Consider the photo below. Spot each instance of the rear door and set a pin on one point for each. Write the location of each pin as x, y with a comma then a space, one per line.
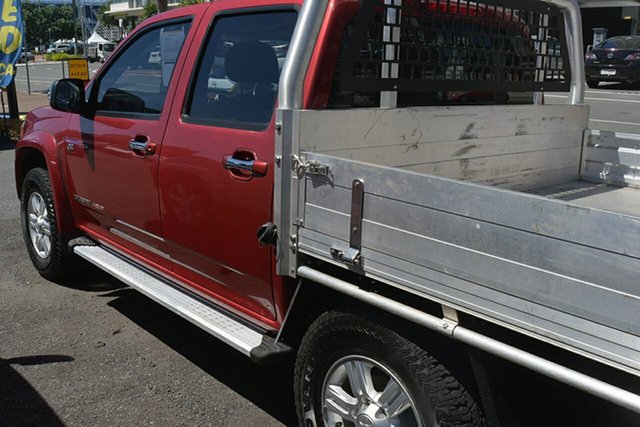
216, 176
112, 156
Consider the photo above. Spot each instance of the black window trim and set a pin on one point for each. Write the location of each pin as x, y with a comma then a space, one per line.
95, 84
227, 124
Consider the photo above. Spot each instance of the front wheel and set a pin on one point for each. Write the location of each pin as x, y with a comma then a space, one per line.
39, 228
593, 83
353, 372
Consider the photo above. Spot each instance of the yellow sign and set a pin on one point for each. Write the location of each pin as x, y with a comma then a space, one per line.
78, 69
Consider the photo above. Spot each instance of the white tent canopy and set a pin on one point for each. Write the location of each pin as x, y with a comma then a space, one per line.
96, 38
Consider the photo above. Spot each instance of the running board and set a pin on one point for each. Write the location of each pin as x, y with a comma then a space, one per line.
213, 320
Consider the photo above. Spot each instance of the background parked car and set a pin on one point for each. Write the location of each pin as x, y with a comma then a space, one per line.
615, 60
26, 56
62, 48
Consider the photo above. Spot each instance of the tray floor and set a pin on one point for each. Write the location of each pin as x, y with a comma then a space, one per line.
622, 200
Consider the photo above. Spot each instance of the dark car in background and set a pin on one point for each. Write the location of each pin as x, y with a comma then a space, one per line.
26, 56
617, 59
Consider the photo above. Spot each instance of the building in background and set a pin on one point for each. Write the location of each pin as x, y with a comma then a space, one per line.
133, 8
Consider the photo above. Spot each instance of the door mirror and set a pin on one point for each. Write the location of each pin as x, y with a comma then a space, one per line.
68, 95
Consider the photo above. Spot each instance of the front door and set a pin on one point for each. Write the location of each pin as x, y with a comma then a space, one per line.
112, 156
216, 173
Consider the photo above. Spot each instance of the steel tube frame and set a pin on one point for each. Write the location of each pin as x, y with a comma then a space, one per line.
303, 41
515, 355
573, 30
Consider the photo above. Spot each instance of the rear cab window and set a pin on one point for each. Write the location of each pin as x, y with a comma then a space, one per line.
236, 79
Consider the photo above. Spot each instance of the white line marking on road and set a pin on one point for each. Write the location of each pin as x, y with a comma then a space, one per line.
631, 101
34, 81
615, 122
613, 92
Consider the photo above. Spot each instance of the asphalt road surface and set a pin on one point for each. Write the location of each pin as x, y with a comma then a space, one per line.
614, 107
90, 351
41, 75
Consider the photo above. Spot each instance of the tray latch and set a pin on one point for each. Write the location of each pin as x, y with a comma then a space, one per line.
352, 255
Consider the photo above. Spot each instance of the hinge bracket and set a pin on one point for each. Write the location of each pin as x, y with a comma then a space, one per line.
352, 255
301, 166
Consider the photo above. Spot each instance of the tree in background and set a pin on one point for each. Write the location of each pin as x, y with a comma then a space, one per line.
42, 22
150, 9
158, 6
163, 5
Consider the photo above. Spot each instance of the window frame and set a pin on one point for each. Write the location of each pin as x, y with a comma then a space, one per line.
193, 78
95, 84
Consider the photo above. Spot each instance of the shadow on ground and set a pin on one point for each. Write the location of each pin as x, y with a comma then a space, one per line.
617, 86
269, 388
86, 277
20, 403
5, 144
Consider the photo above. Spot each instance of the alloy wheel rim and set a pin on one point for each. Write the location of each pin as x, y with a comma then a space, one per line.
360, 392
39, 225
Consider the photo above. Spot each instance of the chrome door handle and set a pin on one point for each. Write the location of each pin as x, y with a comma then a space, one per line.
137, 145
141, 146
232, 163
244, 168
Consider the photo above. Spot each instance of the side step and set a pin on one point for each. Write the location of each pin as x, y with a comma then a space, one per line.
213, 320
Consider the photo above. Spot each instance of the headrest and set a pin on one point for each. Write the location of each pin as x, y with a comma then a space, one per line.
251, 61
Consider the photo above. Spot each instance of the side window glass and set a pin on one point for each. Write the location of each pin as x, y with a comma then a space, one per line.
236, 81
138, 79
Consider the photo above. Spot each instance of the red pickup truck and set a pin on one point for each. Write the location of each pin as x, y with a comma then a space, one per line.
298, 180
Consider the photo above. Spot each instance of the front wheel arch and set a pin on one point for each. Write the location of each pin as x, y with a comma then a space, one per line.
39, 151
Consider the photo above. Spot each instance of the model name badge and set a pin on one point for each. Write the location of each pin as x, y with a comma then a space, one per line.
88, 203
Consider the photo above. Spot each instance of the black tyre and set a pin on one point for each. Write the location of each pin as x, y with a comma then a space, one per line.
353, 372
593, 83
39, 227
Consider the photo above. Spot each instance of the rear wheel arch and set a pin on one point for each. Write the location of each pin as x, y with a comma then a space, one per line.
314, 301
335, 337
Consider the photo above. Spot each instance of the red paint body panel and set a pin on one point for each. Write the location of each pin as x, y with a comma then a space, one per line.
319, 79
122, 187
163, 271
210, 215
114, 191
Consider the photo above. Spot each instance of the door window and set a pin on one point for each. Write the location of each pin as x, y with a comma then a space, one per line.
138, 79
236, 81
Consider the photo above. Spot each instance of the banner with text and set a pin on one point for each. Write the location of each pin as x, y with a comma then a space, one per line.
11, 31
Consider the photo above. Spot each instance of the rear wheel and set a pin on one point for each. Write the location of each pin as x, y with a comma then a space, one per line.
39, 228
593, 83
352, 372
